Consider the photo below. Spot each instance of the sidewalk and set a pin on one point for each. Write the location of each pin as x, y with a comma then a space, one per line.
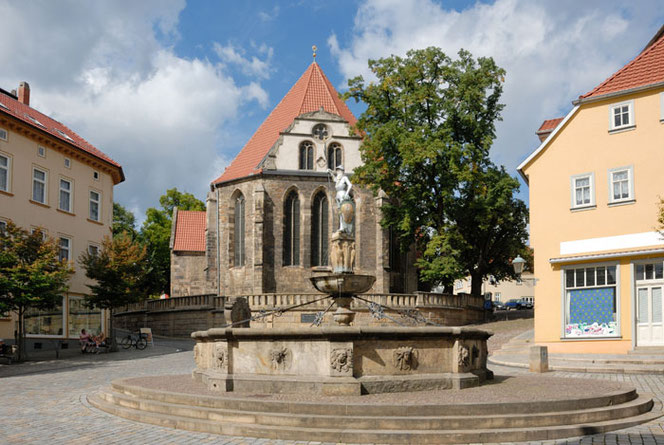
515, 353
46, 361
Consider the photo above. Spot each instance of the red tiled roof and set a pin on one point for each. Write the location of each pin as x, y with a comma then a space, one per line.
34, 118
646, 69
189, 231
549, 125
311, 92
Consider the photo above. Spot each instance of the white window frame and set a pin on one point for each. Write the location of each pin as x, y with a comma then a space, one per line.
67, 163
630, 116
69, 248
8, 187
41, 151
591, 204
71, 194
563, 299
45, 183
4, 134
630, 178
98, 202
93, 246
95, 175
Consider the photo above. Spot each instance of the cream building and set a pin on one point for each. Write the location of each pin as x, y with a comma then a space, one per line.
522, 289
595, 183
52, 178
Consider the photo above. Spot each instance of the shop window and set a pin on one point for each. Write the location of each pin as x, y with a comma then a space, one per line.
591, 302
45, 321
82, 317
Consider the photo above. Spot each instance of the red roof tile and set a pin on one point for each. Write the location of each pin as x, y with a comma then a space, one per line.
42, 122
311, 92
189, 231
646, 69
549, 125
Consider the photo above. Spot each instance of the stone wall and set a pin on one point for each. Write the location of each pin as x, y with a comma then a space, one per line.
264, 270
188, 274
179, 317
173, 317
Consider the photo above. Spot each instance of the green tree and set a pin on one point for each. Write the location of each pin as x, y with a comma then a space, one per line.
119, 271
428, 129
156, 234
123, 221
31, 274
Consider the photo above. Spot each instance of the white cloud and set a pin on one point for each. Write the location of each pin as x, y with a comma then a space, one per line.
107, 70
552, 51
250, 66
268, 16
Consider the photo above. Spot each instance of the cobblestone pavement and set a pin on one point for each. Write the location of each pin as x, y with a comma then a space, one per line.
45, 403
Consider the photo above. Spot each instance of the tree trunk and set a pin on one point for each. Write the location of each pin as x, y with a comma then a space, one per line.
21, 334
111, 333
476, 283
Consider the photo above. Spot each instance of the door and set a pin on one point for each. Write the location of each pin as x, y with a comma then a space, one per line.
649, 328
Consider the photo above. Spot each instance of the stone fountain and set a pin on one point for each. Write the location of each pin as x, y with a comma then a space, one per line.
343, 359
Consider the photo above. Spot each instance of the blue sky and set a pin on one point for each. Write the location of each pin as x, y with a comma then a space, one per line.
172, 89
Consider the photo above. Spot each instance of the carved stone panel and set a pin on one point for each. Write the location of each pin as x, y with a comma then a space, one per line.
280, 359
221, 356
463, 358
405, 358
341, 360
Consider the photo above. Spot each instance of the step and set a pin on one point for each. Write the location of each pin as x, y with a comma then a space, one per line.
485, 420
578, 366
356, 409
346, 435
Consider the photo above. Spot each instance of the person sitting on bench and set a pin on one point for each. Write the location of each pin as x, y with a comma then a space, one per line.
86, 341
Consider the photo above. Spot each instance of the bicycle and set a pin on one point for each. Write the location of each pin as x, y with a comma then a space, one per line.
130, 340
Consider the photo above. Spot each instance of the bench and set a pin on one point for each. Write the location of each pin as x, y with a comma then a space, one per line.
9, 352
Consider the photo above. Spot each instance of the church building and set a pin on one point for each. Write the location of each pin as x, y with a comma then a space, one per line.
271, 213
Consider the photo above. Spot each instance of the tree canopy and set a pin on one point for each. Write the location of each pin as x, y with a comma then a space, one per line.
31, 274
119, 270
429, 126
156, 234
124, 221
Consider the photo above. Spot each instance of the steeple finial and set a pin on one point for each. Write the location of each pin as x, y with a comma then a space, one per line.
314, 49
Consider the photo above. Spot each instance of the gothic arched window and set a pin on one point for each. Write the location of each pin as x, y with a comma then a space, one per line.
334, 156
292, 230
306, 156
319, 230
238, 232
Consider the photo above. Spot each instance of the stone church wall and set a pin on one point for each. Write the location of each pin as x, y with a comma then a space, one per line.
264, 271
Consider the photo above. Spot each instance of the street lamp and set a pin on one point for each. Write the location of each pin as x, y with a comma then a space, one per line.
517, 264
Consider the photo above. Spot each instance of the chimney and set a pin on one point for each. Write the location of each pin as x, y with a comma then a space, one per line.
24, 93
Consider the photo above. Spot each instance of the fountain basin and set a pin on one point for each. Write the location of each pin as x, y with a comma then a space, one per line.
340, 360
343, 285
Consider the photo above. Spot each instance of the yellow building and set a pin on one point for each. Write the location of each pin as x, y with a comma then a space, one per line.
595, 183
52, 178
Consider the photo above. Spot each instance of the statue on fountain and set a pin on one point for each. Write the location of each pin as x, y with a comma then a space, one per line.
342, 246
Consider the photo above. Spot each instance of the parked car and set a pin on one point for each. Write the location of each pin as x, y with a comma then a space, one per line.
513, 304
525, 304
498, 306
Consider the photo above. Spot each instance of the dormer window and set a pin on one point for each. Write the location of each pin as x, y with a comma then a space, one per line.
320, 132
306, 155
621, 116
